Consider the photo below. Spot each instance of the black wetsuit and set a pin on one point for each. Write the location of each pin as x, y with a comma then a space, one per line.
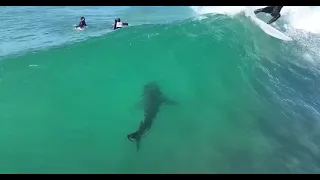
273, 10
82, 24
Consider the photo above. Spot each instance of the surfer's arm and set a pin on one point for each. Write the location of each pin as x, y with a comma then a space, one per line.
125, 24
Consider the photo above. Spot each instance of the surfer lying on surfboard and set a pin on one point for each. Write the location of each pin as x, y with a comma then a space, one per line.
273, 10
82, 23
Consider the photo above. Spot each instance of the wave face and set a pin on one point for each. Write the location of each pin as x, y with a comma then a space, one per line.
248, 103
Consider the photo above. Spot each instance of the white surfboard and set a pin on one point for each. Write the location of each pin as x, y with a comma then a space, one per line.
270, 30
78, 28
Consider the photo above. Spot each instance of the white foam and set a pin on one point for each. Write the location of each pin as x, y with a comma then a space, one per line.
230, 10
299, 17
33, 65
304, 18
298, 22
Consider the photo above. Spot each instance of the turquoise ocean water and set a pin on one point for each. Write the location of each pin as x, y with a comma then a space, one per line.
247, 102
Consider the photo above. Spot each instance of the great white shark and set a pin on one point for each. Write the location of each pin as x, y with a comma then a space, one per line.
153, 99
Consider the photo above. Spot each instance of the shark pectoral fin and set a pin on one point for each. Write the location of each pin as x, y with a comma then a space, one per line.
168, 101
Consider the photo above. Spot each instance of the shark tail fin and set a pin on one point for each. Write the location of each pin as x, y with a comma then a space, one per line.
135, 137
138, 144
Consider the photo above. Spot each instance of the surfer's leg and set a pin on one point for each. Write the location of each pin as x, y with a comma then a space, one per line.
267, 9
275, 17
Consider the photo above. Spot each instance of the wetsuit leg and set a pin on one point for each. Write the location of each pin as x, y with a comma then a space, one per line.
275, 17
268, 9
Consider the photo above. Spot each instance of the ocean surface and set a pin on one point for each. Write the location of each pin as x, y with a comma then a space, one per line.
247, 102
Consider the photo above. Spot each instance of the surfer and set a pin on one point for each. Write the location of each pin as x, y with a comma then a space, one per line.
82, 23
273, 10
118, 24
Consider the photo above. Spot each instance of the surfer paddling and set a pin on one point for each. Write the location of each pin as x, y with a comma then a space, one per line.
273, 10
82, 23
119, 24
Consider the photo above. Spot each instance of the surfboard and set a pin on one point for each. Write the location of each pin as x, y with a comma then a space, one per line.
78, 28
270, 30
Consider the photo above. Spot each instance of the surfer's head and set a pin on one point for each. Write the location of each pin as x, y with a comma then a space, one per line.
118, 20
83, 19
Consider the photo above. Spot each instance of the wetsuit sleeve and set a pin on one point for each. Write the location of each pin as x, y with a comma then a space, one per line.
124, 23
85, 24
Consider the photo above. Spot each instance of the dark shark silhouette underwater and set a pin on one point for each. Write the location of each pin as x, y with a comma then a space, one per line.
153, 99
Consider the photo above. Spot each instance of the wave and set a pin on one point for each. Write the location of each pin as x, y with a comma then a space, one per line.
244, 99
299, 17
